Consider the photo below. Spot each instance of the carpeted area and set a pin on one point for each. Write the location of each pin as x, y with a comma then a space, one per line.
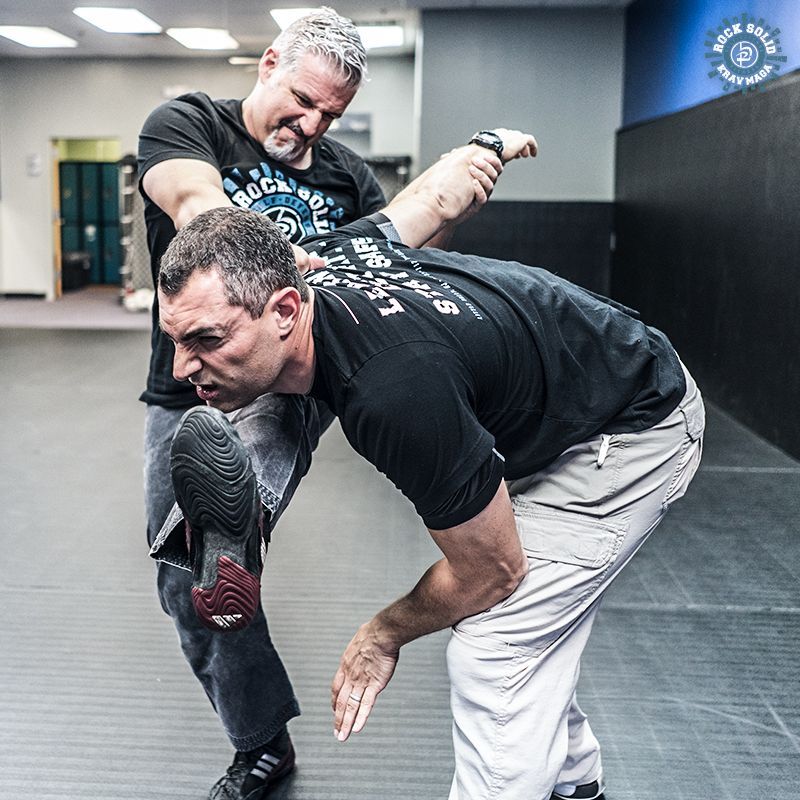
88, 308
690, 677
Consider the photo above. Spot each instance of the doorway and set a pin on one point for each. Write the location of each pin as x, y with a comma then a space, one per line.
86, 229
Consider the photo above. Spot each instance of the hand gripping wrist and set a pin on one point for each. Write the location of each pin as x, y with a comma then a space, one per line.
489, 140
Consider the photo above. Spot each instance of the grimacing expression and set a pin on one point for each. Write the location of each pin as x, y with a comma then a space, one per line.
220, 349
292, 108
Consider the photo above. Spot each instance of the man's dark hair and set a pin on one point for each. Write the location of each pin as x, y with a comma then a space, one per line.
251, 253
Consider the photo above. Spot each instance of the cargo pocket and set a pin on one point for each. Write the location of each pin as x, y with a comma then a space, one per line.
569, 556
566, 536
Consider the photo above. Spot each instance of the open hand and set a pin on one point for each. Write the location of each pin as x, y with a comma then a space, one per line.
364, 671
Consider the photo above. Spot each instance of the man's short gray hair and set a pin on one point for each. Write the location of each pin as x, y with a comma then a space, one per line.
325, 33
250, 252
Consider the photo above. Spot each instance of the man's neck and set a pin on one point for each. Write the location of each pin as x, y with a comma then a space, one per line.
297, 376
304, 162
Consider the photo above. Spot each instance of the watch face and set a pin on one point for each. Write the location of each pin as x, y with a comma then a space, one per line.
490, 140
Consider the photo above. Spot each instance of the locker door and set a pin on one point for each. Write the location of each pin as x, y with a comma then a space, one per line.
70, 238
109, 182
92, 235
70, 192
112, 254
90, 193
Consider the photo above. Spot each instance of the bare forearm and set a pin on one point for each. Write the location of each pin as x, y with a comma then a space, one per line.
453, 189
483, 563
204, 198
416, 216
443, 194
438, 601
184, 188
443, 238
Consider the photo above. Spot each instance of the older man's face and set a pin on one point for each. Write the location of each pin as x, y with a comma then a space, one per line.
292, 109
220, 349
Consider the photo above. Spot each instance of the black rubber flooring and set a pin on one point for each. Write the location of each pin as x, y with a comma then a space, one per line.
691, 677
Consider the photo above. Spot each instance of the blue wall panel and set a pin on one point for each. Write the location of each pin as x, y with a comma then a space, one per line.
666, 68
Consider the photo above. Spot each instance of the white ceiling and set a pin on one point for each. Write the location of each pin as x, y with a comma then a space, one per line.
248, 21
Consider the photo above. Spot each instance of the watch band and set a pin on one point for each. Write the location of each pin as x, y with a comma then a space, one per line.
489, 140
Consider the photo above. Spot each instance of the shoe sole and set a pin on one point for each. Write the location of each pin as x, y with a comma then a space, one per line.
577, 796
216, 489
555, 796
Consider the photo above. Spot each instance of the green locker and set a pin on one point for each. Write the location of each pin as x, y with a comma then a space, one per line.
112, 254
89, 193
70, 190
71, 238
109, 193
94, 247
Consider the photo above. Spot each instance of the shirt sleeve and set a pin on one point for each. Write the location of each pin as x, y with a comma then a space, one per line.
177, 129
370, 194
372, 197
408, 411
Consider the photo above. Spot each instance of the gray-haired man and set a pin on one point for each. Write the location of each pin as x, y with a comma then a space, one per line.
268, 153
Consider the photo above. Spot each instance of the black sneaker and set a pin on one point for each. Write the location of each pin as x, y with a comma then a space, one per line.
216, 489
253, 774
588, 791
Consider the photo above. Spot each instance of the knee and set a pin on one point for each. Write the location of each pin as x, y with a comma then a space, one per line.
175, 591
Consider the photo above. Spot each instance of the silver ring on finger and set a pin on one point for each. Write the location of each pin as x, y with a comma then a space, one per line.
355, 698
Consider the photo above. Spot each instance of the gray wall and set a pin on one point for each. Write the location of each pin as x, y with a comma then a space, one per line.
46, 99
555, 73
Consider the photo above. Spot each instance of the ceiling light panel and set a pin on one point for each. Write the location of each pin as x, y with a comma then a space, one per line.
118, 20
374, 36
203, 38
36, 37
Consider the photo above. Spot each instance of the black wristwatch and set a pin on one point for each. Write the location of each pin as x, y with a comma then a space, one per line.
490, 140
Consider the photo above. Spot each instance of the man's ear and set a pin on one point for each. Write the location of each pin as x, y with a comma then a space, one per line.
284, 305
268, 64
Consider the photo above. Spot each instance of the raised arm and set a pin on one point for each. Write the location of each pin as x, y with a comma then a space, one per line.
483, 563
184, 188
453, 189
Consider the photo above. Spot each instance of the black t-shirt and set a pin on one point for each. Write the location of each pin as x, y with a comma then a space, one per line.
451, 372
336, 189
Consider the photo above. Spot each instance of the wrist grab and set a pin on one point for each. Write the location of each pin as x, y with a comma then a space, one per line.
489, 140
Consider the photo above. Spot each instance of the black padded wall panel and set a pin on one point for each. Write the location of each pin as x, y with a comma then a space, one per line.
708, 247
568, 238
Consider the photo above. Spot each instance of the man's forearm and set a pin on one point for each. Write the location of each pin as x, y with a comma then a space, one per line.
184, 188
452, 189
483, 563
438, 601
442, 194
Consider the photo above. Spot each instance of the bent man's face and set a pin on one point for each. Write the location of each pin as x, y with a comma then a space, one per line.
229, 357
